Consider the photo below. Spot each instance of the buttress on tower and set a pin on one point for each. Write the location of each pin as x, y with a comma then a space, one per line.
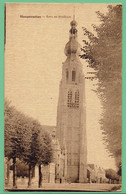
71, 111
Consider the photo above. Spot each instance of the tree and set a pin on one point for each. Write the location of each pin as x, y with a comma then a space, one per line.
119, 172
31, 146
38, 149
104, 54
45, 151
111, 175
19, 141
13, 135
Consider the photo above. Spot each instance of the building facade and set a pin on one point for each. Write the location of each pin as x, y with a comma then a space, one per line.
71, 111
59, 159
95, 174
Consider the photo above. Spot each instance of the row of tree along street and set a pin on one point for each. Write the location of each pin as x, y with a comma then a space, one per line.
25, 140
28, 145
103, 51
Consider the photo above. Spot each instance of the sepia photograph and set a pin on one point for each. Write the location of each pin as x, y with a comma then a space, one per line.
63, 97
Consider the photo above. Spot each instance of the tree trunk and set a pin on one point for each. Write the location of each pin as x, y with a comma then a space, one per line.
40, 177
8, 171
29, 176
14, 173
33, 171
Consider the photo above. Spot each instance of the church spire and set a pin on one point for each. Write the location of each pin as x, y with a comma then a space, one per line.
72, 47
74, 13
73, 23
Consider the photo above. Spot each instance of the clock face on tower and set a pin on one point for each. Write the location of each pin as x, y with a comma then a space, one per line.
73, 99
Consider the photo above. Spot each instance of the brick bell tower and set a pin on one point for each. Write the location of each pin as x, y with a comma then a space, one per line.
71, 111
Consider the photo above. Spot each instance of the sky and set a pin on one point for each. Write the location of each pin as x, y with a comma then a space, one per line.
34, 53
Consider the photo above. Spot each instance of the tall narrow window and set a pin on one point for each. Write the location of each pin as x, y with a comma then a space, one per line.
69, 99
67, 74
77, 99
73, 75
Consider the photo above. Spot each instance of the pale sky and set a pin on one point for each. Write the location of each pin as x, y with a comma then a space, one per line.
33, 64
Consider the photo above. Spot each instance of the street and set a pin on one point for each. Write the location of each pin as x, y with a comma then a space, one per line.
69, 187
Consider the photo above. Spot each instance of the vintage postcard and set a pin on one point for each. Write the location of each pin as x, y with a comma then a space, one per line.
63, 97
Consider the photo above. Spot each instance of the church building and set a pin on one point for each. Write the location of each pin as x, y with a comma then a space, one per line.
69, 163
71, 111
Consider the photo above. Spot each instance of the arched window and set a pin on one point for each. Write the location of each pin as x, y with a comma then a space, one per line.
77, 99
73, 75
69, 99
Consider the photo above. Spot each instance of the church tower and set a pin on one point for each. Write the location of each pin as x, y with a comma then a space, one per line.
71, 113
